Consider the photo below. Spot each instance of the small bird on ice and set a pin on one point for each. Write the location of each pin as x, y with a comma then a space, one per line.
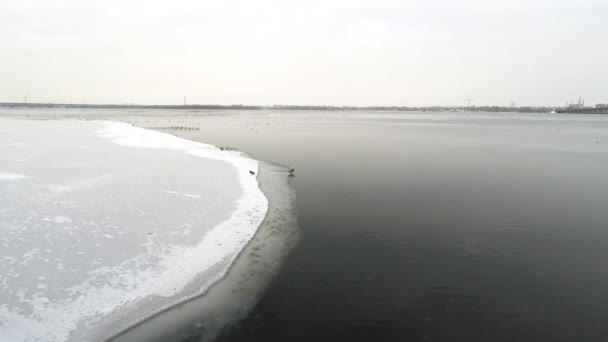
251, 173
291, 172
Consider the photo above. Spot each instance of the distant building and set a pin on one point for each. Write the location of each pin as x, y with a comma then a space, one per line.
601, 106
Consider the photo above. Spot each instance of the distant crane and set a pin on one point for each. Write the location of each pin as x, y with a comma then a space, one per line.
185, 103
469, 102
576, 105
25, 97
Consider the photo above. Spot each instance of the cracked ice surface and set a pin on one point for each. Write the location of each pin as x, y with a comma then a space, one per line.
103, 224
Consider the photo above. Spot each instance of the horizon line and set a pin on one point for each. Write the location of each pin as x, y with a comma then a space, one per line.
250, 106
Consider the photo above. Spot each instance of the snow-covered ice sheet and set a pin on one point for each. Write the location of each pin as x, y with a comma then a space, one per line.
106, 224
11, 176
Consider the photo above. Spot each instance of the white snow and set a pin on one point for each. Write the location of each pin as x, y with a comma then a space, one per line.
90, 255
192, 196
58, 219
11, 176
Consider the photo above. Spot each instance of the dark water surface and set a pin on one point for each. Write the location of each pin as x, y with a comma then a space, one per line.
430, 227
435, 228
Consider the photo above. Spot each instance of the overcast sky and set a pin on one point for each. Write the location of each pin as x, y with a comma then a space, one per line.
322, 52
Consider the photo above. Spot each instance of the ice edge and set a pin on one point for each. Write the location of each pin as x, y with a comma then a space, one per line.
253, 201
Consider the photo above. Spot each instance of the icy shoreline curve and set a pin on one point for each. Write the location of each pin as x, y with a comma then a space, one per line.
169, 265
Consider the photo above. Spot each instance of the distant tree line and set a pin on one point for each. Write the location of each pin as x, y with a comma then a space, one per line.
287, 107
123, 106
421, 109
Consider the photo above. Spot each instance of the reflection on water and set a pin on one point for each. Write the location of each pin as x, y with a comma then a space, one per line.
438, 227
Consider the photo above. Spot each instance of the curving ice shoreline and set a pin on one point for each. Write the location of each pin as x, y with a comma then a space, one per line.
232, 298
160, 269
249, 215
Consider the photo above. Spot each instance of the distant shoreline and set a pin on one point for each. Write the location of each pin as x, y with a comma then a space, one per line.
286, 107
